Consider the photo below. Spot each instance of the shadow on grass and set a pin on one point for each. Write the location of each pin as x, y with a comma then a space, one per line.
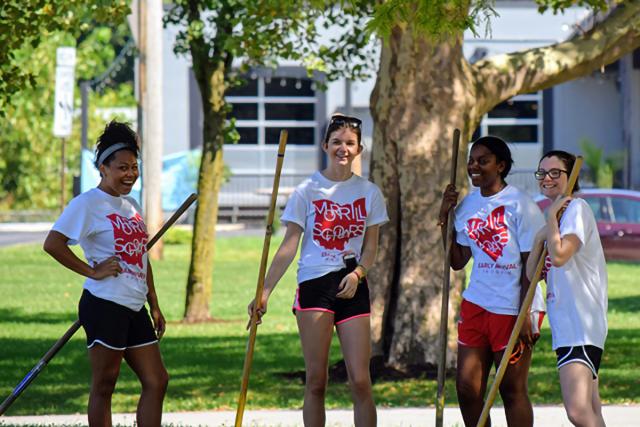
630, 304
19, 316
205, 375
619, 382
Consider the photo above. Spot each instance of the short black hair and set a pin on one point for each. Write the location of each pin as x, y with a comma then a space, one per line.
568, 160
116, 132
500, 149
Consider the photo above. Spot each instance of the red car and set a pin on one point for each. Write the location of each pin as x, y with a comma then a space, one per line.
618, 215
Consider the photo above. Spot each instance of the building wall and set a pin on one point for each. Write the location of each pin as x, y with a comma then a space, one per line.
588, 108
176, 91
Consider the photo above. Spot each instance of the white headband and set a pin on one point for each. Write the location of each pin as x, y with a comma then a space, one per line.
109, 151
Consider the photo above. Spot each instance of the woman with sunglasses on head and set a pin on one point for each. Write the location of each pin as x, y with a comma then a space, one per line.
337, 214
495, 225
576, 276
107, 224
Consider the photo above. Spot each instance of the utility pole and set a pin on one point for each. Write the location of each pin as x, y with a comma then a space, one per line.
151, 109
356, 166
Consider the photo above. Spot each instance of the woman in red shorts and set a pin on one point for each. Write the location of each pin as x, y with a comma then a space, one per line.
495, 224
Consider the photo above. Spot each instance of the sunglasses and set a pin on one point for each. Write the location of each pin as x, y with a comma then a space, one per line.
553, 173
346, 121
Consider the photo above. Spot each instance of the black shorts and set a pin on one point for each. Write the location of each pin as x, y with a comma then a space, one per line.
113, 325
589, 355
320, 295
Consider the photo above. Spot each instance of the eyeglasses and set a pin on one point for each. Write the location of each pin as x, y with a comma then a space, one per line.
346, 121
553, 173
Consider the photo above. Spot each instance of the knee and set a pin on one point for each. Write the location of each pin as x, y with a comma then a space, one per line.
579, 414
513, 392
468, 391
157, 383
104, 383
360, 386
316, 383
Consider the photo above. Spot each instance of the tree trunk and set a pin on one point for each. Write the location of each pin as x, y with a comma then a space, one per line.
422, 94
425, 89
199, 284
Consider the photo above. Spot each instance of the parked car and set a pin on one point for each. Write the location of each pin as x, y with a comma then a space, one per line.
618, 215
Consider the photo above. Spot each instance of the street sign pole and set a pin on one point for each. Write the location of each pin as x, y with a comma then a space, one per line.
63, 105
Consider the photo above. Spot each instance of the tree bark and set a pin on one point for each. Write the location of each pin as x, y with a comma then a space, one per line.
424, 90
421, 95
200, 282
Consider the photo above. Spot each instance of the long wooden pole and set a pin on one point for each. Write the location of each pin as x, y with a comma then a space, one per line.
524, 310
444, 313
28, 379
248, 358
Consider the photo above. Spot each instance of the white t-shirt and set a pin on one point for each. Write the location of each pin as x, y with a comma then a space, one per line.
577, 291
105, 226
333, 216
497, 229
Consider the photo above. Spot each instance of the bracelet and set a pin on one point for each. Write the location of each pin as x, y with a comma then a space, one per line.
364, 270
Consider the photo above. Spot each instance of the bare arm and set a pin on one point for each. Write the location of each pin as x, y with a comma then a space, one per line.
56, 245
159, 321
460, 255
536, 251
525, 332
281, 261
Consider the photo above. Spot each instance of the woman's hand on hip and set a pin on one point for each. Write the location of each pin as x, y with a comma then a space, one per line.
159, 323
108, 267
348, 286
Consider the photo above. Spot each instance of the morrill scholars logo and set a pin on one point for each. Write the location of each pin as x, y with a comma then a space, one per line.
336, 224
130, 237
490, 234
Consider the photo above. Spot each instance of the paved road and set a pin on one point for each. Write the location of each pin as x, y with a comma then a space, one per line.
546, 416
9, 238
20, 233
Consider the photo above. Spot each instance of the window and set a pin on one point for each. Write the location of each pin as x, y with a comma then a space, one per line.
297, 136
264, 105
248, 135
626, 210
245, 111
518, 120
599, 207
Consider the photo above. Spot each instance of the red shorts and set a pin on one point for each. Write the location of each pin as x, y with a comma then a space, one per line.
478, 327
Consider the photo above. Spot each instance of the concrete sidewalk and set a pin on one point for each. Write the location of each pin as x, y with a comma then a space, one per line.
551, 416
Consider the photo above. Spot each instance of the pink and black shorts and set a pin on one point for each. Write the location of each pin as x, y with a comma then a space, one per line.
320, 295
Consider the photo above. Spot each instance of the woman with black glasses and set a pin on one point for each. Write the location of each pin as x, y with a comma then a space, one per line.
576, 276
337, 214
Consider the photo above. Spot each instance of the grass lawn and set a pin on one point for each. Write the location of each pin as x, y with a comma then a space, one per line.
38, 301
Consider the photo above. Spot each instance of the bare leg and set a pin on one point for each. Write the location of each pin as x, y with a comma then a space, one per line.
578, 393
474, 364
147, 364
316, 330
356, 348
514, 390
105, 368
597, 404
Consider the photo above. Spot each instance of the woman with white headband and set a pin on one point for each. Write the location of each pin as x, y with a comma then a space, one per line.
107, 224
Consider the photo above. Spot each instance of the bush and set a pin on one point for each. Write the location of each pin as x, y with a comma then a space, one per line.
178, 236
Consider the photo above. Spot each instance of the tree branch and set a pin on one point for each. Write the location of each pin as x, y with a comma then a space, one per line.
503, 76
